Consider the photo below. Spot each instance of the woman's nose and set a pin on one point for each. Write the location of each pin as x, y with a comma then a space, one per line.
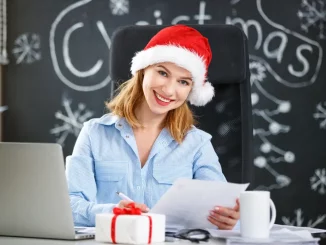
168, 88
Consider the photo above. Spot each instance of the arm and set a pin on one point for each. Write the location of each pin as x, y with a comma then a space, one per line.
207, 167
206, 164
81, 182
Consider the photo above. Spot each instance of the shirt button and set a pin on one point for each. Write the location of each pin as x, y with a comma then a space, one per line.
119, 125
138, 187
127, 136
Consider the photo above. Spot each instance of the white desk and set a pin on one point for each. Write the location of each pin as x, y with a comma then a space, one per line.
33, 241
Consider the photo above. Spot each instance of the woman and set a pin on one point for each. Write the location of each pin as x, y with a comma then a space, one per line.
148, 140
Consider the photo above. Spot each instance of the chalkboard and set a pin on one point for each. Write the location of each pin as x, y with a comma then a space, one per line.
58, 78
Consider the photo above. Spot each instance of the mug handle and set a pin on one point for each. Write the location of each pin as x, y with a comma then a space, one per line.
272, 222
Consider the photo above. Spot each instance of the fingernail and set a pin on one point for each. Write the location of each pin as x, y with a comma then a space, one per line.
211, 213
217, 208
147, 209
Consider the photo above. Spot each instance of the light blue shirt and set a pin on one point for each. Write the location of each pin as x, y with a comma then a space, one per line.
105, 160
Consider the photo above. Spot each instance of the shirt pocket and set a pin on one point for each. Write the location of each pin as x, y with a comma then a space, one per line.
111, 171
167, 174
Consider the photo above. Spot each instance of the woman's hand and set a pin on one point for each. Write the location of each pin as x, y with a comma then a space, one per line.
225, 218
124, 203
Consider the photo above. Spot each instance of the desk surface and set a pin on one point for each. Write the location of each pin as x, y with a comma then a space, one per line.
33, 241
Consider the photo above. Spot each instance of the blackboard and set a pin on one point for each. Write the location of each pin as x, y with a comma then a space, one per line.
58, 77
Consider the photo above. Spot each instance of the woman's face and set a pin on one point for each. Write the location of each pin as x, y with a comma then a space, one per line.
166, 86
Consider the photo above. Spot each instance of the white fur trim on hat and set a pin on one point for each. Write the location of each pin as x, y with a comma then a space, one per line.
202, 92
201, 95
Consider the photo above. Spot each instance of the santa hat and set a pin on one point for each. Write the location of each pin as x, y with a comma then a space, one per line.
185, 47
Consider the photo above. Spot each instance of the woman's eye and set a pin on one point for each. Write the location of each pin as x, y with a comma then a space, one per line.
163, 73
183, 82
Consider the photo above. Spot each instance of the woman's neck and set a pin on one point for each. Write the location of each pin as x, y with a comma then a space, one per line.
147, 118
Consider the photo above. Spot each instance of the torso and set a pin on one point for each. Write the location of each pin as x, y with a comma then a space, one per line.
145, 141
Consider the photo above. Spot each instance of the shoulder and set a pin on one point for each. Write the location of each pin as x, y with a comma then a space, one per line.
196, 135
106, 120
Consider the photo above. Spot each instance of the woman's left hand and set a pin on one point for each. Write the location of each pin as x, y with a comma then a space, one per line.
225, 218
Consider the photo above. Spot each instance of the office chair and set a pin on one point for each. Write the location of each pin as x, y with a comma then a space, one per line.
228, 117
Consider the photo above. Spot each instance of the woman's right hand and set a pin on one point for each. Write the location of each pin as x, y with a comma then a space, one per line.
142, 207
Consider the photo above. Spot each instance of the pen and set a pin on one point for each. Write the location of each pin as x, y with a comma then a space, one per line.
123, 196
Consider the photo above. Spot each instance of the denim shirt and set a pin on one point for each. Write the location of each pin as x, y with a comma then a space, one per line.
105, 160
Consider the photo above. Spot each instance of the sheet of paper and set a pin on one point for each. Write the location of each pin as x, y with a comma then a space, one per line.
277, 227
188, 202
283, 236
224, 233
304, 232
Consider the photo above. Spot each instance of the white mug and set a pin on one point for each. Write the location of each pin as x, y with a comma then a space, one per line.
255, 219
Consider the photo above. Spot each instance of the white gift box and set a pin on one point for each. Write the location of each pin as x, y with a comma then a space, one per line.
130, 229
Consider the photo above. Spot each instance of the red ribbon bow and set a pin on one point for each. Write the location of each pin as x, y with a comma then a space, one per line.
130, 209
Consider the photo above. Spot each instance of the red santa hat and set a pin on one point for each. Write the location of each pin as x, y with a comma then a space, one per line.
185, 47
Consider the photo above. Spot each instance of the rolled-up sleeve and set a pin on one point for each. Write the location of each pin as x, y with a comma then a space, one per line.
81, 182
206, 163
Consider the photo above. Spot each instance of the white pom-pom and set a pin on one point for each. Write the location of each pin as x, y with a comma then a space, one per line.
201, 95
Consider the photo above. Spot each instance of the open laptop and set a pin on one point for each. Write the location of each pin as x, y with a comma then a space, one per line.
34, 199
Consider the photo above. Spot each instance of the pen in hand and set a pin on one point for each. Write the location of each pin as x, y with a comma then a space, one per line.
126, 200
124, 197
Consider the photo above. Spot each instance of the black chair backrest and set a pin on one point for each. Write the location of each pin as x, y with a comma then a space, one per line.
228, 117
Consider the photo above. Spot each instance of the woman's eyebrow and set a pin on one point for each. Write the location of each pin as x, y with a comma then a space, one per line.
189, 78
164, 68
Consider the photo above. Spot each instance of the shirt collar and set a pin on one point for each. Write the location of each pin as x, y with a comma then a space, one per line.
166, 137
110, 119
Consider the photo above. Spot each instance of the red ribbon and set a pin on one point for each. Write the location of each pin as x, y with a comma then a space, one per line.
130, 209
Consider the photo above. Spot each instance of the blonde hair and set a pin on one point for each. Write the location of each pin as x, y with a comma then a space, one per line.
178, 121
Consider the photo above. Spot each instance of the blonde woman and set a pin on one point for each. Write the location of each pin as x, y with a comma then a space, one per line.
148, 140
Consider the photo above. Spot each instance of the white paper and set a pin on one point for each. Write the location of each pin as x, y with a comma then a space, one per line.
277, 227
188, 202
276, 237
304, 232
224, 233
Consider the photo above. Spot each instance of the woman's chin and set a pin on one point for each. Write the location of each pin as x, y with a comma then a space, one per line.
158, 110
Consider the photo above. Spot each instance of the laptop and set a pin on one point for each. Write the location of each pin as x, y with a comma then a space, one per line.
34, 199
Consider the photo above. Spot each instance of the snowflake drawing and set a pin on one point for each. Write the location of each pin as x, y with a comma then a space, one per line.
313, 13
257, 72
233, 2
298, 220
71, 122
321, 114
119, 7
270, 153
318, 181
27, 48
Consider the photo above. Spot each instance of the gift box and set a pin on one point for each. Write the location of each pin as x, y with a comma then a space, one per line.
130, 226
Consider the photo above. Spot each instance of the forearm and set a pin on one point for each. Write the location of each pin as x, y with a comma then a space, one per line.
84, 212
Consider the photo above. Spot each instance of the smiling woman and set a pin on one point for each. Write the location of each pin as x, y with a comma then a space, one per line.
148, 140
160, 90
169, 84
